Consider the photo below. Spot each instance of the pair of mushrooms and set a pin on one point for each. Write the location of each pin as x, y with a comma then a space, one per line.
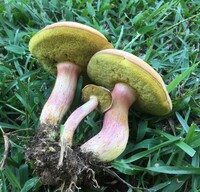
71, 48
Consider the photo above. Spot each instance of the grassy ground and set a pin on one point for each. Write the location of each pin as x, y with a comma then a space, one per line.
163, 154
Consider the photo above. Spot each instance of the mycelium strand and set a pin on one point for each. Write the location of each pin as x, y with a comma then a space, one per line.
111, 141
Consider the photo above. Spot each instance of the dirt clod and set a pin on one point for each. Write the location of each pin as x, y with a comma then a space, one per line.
76, 170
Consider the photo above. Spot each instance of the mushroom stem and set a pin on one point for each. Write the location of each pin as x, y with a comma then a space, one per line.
72, 123
111, 141
62, 95
75, 118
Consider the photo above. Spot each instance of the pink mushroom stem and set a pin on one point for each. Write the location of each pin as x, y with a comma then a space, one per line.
62, 95
72, 123
75, 118
111, 141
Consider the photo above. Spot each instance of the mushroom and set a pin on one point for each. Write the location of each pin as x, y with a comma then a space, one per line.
65, 47
93, 97
133, 82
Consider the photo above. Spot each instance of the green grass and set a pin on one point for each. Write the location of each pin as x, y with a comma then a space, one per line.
163, 153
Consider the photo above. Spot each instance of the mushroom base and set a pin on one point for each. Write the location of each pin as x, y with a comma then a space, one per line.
47, 133
78, 169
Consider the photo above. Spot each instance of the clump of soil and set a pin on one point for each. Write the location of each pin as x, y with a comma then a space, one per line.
77, 169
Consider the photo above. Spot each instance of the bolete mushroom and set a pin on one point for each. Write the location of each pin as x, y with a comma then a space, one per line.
132, 81
65, 47
94, 97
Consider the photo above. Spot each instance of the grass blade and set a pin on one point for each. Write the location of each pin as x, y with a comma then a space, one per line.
12, 179
149, 151
30, 184
179, 78
3, 187
173, 170
186, 148
183, 122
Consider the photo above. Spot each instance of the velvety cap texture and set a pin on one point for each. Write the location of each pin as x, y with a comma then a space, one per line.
66, 42
108, 67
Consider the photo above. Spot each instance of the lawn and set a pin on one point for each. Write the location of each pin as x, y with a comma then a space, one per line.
163, 153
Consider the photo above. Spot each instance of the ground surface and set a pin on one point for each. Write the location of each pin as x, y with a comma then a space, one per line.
163, 153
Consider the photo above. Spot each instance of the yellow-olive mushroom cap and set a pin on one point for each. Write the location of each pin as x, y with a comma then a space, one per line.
66, 42
102, 94
111, 66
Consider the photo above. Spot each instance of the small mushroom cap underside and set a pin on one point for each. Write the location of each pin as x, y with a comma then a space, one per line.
102, 94
110, 66
66, 42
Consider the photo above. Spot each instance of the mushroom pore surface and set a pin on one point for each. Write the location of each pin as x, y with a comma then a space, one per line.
106, 68
66, 43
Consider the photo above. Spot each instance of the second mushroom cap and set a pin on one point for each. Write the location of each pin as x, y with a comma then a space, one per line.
102, 94
110, 66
